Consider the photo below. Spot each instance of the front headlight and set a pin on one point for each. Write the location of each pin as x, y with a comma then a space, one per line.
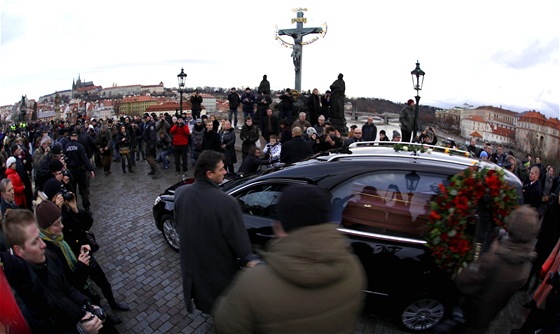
158, 199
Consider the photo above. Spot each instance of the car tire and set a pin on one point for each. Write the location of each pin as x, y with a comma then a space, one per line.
420, 313
169, 231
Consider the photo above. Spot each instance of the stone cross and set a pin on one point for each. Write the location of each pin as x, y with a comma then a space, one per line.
297, 34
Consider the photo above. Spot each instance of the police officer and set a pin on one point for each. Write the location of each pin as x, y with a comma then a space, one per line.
78, 165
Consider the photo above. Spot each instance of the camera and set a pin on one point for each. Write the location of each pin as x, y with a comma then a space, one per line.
66, 195
96, 311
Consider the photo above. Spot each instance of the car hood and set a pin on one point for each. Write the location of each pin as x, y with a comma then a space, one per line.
312, 256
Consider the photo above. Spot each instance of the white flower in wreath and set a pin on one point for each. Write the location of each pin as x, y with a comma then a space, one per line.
405, 148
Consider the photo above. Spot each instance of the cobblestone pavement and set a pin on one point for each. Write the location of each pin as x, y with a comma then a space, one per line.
145, 272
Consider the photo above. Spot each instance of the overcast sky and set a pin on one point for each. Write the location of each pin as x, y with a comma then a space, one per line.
500, 53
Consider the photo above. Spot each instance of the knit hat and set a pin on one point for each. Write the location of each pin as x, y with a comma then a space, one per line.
10, 161
410, 101
47, 213
523, 224
55, 165
483, 154
396, 133
52, 187
303, 205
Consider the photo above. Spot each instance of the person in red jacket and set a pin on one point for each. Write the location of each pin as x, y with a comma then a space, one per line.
19, 188
180, 132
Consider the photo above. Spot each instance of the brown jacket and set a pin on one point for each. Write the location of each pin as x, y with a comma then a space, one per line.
489, 283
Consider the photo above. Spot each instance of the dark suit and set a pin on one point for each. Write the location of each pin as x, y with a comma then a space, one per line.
532, 194
295, 150
209, 251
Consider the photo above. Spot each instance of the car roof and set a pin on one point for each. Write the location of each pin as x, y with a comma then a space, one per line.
329, 170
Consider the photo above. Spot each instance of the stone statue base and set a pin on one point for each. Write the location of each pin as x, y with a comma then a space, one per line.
340, 125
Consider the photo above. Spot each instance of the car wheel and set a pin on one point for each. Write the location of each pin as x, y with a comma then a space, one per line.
169, 231
421, 313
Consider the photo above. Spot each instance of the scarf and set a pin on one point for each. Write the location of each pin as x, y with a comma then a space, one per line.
59, 242
71, 259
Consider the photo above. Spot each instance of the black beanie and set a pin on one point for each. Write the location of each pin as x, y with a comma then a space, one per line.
52, 187
47, 213
303, 205
57, 148
55, 165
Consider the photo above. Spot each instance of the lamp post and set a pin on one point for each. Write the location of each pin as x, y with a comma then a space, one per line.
417, 82
181, 77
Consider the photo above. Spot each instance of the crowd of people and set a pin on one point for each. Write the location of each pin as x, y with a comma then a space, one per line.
48, 251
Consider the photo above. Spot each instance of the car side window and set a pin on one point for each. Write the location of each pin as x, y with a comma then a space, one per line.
260, 200
395, 202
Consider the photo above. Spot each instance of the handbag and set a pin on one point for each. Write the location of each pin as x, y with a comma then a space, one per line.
124, 149
91, 241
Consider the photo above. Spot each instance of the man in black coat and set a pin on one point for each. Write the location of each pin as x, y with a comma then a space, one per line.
532, 190
196, 102
252, 162
211, 139
80, 167
296, 149
234, 101
270, 125
212, 239
369, 130
149, 136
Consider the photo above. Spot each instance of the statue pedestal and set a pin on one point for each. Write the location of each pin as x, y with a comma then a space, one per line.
340, 125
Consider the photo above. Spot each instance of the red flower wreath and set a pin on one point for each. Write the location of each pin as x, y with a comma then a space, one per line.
454, 209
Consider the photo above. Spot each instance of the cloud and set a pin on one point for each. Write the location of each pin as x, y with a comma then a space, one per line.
534, 54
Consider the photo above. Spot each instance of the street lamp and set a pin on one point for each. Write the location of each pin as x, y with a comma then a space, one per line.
417, 82
181, 77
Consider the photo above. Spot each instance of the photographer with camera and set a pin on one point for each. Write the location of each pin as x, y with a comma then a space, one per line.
286, 105
53, 305
79, 266
180, 141
248, 100
330, 140
428, 136
60, 180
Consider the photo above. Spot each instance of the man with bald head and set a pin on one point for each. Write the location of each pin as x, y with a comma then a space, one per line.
296, 149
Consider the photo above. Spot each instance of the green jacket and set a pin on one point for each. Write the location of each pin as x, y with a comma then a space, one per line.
312, 283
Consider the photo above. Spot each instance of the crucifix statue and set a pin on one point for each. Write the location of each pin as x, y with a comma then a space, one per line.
297, 34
